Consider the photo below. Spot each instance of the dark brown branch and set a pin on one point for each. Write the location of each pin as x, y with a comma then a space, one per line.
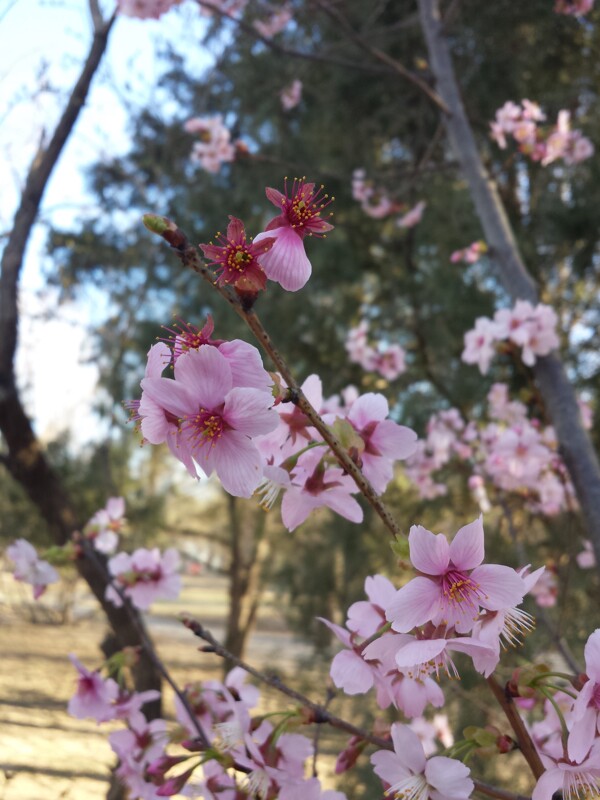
24, 457
524, 740
37, 179
549, 372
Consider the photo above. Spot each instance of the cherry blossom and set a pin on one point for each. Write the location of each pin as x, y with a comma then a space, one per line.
145, 9
470, 254
95, 696
480, 344
407, 772
216, 419
574, 779
574, 7
104, 526
214, 147
301, 208
236, 259
29, 568
144, 576
275, 24
453, 584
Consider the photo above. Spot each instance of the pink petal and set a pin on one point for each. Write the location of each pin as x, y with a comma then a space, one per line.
237, 462
408, 748
393, 440
450, 777
296, 506
246, 365
169, 395
249, 411
235, 230
467, 548
550, 782
592, 656
369, 407
414, 604
502, 586
286, 262
429, 553
379, 590
419, 652
343, 504
386, 766
350, 673
582, 735
341, 633
206, 374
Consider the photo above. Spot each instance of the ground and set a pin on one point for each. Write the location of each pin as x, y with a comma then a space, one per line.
45, 753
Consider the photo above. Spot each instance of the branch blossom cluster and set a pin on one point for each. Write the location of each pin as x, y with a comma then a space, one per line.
387, 360
543, 144
510, 451
533, 329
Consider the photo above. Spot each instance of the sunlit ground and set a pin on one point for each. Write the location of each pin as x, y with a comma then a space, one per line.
45, 753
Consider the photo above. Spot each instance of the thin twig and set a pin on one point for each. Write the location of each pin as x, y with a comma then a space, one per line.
145, 640
378, 54
321, 715
282, 50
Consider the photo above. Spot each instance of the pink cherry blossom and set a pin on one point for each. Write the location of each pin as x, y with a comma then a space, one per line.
385, 441
408, 773
587, 558
275, 24
214, 147
315, 485
301, 208
104, 526
480, 344
574, 779
29, 568
145, 9
291, 95
145, 576
453, 584
236, 259
216, 420
470, 254
95, 695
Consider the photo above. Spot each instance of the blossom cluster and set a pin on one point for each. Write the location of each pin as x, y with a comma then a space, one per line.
388, 360
509, 450
214, 146
248, 756
470, 254
144, 576
30, 568
103, 528
544, 144
218, 413
532, 328
455, 605
377, 203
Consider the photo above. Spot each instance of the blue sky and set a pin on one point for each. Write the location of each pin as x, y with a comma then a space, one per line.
42, 48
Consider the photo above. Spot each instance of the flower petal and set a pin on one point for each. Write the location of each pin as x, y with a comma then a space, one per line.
236, 461
429, 553
206, 374
286, 262
414, 604
249, 411
467, 548
502, 586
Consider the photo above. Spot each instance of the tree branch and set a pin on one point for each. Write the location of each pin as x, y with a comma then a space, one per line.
190, 257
